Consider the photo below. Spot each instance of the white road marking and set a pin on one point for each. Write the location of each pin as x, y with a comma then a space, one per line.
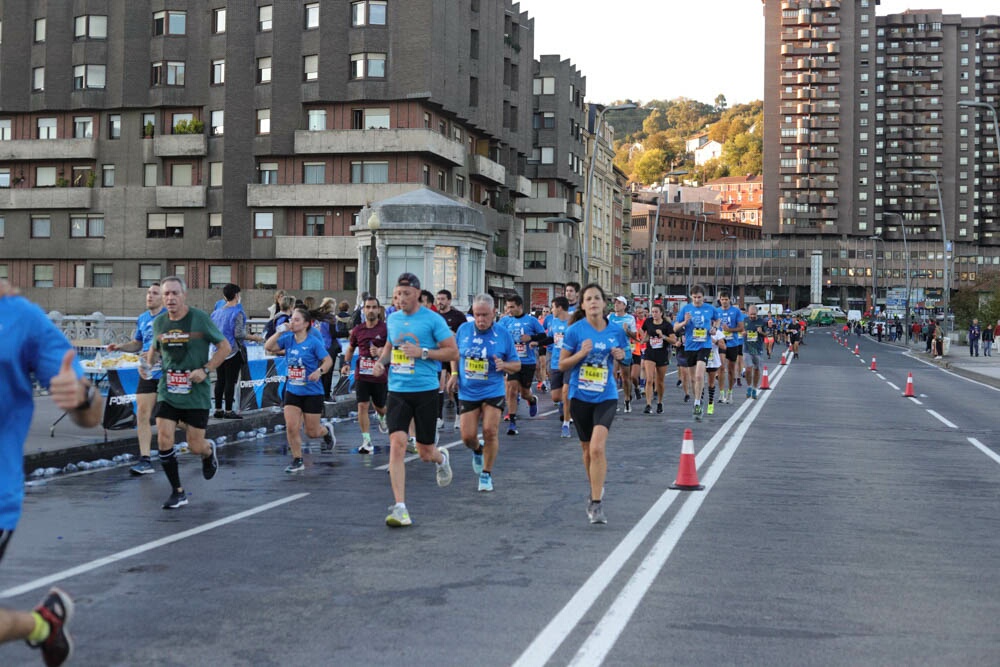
985, 450
941, 419
143, 548
914, 399
879, 376
892, 385
548, 641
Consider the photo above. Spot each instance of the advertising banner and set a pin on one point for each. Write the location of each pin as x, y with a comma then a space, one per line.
262, 383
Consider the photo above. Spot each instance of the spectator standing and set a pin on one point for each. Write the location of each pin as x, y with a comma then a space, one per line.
975, 332
231, 320
988, 338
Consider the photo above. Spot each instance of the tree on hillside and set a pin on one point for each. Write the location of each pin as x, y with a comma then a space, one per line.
651, 166
720, 102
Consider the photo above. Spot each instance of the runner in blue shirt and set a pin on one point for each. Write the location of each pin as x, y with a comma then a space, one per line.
33, 346
485, 352
623, 368
590, 347
149, 379
698, 321
556, 329
419, 339
525, 330
307, 360
731, 323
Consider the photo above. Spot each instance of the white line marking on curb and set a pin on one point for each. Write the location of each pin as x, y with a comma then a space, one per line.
985, 450
142, 548
893, 386
941, 419
914, 399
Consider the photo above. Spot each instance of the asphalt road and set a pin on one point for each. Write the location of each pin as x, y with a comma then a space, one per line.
841, 524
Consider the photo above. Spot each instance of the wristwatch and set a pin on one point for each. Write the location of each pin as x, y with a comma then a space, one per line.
88, 398
424, 353
206, 371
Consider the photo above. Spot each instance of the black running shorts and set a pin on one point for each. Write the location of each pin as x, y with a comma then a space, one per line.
588, 415
421, 407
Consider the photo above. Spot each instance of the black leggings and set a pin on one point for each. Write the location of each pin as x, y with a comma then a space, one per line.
227, 375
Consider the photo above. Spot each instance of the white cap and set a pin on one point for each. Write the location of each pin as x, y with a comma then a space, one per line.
622, 299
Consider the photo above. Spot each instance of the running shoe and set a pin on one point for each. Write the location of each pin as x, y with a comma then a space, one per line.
739, 382
628, 407
710, 409
697, 413
564, 431
176, 499
458, 423
440, 423
635, 391
659, 408
648, 410
297, 465
210, 464
754, 396
512, 427
485, 481
218, 414
57, 610
679, 382
477, 463
749, 392
444, 469
383, 425
329, 440
506, 417
687, 398
398, 517
533, 406
411, 445
143, 467
366, 447
595, 512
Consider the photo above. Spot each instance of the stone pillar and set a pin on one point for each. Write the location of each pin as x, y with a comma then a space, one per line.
426, 279
465, 286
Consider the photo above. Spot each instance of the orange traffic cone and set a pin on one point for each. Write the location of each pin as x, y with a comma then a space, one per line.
687, 473
909, 387
764, 382
857, 349
873, 363
783, 354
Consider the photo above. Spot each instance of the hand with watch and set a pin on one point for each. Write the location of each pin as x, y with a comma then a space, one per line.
77, 396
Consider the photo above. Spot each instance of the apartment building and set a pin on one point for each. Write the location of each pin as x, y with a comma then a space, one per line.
604, 247
864, 130
241, 143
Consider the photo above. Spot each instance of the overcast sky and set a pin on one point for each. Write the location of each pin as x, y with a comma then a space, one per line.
664, 49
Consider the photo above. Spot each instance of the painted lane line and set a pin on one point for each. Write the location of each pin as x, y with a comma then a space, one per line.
143, 548
880, 376
985, 450
548, 641
605, 634
941, 419
952, 373
915, 400
892, 385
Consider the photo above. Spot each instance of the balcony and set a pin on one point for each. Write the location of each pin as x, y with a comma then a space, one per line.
46, 198
324, 196
180, 145
180, 196
380, 141
574, 211
486, 168
315, 247
550, 206
48, 149
519, 184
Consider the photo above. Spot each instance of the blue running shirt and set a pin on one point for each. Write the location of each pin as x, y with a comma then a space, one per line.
730, 317
521, 326
592, 380
556, 329
303, 358
696, 333
424, 328
144, 334
478, 377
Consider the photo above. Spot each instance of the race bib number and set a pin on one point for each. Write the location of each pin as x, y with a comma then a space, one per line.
366, 366
178, 382
476, 369
700, 335
401, 364
729, 337
297, 375
593, 378
751, 336
522, 349
656, 342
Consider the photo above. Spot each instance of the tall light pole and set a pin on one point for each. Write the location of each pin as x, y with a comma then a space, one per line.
906, 258
373, 224
946, 291
588, 214
653, 231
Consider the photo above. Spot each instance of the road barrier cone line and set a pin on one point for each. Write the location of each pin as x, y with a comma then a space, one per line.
909, 387
687, 471
873, 363
764, 382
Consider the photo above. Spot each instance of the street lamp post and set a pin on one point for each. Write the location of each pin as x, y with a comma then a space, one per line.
946, 291
906, 259
373, 225
875, 238
587, 214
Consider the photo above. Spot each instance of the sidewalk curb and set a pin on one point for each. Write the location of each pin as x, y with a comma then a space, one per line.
130, 445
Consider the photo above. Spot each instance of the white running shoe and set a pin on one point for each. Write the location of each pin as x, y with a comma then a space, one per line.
444, 469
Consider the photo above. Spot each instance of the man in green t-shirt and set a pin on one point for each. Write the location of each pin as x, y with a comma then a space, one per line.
182, 338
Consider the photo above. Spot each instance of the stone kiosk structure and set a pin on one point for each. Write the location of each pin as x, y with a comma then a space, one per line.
442, 240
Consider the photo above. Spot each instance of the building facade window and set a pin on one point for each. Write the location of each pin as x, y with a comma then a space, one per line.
310, 67
83, 127
264, 18
263, 225
367, 65
312, 278
264, 69
39, 30
312, 15
91, 27
314, 173
460, 186
169, 73
170, 23
114, 126
368, 12
101, 275
41, 227
38, 79
43, 275
89, 76
376, 118
218, 72
265, 277
215, 174
316, 120
219, 276
45, 177
369, 172
86, 226
215, 225
149, 175
535, 259
268, 173
217, 118
3, 231
545, 85
263, 121
219, 20
108, 176
181, 175
5, 130
149, 274
164, 225
350, 278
